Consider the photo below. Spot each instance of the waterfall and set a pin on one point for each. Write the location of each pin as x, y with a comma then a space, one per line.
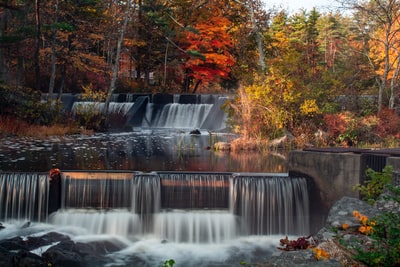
102, 190
182, 207
99, 222
200, 226
23, 196
270, 205
194, 190
98, 107
174, 115
146, 199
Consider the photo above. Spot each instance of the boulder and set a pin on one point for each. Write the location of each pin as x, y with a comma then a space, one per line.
281, 142
222, 146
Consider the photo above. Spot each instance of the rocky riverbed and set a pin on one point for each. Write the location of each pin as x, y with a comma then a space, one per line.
55, 249
327, 239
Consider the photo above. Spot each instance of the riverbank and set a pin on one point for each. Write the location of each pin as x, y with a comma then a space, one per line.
339, 238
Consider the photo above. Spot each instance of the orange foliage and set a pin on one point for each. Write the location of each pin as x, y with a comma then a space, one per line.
389, 123
320, 254
212, 42
366, 227
336, 123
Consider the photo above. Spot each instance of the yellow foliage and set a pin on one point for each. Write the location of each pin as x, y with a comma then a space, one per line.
309, 107
92, 95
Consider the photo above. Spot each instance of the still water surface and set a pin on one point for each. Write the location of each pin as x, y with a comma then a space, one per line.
139, 150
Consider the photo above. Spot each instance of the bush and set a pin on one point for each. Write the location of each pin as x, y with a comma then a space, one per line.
376, 185
383, 249
389, 123
25, 104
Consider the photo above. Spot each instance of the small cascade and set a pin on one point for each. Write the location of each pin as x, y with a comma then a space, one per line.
102, 190
201, 226
23, 196
194, 190
174, 115
270, 205
114, 107
195, 208
99, 222
146, 199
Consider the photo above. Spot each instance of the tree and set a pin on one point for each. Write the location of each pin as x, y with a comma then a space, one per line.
382, 17
208, 52
124, 24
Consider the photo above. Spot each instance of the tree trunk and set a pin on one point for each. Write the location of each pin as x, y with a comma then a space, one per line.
116, 61
3, 29
37, 48
62, 85
165, 67
196, 86
53, 55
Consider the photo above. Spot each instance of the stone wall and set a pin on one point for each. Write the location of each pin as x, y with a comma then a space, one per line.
334, 174
395, 162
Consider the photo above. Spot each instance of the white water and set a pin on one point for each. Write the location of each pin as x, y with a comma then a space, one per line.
152, 251
23, 196
260, 211
114, 107
175, 115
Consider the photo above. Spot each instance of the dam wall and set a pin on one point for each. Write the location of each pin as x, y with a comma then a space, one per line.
335, 171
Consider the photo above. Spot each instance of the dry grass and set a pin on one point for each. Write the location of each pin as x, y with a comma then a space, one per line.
243, 144
13, 127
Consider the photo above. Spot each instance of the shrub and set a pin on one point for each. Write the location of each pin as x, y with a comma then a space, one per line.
25, 104
376, 185
389, 123
383, 249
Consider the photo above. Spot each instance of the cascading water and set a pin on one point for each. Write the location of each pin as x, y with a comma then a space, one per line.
23, 196
195, 208
174, 115
270, 205
114, 107
147, 210
103, 190
191, 207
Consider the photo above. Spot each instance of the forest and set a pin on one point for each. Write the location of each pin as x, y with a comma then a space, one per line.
335, 72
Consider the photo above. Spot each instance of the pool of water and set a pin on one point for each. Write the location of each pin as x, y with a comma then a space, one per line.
139, 150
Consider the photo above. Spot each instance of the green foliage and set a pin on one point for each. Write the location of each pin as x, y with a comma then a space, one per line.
25, 103
195, 53
384, 248
376, 185
168, 263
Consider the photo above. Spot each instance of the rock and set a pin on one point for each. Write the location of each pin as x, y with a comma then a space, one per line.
342, 212
195, 132
15, 243
27, 259
282, 142
6, 257
222, 146
321, 137
298, 258
59, 257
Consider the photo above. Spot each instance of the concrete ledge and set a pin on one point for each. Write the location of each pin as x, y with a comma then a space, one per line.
334, 174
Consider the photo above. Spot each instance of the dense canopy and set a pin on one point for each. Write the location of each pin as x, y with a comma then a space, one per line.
292, 67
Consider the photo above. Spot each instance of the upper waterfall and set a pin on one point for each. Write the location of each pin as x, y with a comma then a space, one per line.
181, 111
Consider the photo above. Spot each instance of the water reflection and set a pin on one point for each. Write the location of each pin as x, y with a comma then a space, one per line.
143, 150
